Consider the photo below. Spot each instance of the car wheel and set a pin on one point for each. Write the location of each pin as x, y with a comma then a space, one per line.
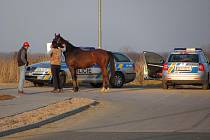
96, 85
118, 80
164, 85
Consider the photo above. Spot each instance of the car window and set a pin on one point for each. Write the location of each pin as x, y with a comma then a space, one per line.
121, 58
153, 58
184, 58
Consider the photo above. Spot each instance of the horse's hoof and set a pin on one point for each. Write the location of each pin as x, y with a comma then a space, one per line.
103, 89
106, 90
76, 89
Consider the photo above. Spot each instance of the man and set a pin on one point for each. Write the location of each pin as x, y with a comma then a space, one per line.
22, 63
55, 61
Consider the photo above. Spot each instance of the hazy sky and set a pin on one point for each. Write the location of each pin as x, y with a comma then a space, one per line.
152, 25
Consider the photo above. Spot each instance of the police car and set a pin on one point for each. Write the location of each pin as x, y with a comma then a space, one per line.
184, 66
40, 73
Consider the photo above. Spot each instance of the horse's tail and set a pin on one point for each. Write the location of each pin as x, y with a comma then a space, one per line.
112, 63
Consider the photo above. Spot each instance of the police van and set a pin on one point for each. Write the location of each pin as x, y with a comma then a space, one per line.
184, 66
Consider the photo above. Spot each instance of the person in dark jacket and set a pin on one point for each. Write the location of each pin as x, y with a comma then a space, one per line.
22, 63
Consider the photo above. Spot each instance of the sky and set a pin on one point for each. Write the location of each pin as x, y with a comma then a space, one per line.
136, 25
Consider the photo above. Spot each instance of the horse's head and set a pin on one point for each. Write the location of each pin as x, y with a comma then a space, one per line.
54, 44
59, 41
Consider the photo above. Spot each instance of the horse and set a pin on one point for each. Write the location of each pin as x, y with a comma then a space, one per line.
76, 58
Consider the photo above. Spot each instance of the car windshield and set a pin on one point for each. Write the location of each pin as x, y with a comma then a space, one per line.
184, 58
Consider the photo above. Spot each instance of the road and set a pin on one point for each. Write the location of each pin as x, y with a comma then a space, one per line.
133, 113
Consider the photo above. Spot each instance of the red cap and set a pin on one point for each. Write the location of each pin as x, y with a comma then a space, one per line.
26, 44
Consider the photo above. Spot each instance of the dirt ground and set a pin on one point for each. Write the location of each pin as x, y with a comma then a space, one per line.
6, 97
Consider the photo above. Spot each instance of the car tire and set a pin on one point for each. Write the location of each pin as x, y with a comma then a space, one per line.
96, 85
164, 85
118, 80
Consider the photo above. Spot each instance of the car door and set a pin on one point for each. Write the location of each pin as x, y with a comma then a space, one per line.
153, 64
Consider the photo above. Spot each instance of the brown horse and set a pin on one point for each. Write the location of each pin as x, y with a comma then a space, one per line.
77, 58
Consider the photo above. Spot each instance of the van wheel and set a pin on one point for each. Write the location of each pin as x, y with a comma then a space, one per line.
164, 85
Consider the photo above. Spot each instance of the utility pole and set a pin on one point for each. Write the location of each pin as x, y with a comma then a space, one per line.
99, 25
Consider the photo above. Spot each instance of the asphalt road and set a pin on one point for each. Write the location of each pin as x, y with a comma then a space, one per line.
132, 113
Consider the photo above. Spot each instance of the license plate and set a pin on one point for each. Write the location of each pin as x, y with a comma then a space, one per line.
84, 71
41, 69
184, 68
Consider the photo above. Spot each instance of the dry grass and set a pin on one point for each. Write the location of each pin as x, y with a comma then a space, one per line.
139, 66
9, 67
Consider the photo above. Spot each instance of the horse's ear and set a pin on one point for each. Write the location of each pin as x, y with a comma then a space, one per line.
55, 34
59, 35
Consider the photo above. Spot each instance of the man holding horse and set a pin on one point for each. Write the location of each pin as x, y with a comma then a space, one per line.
55, 61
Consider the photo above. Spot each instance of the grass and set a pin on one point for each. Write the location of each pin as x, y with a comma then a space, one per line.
9, 69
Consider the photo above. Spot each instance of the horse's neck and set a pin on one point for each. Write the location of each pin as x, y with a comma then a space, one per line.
69, 47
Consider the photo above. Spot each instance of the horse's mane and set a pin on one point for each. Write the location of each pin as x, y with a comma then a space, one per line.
69, 46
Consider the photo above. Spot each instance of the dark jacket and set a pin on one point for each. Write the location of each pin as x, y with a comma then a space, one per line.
22, 57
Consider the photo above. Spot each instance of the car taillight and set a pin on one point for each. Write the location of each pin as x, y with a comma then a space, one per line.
165, 66
201, 67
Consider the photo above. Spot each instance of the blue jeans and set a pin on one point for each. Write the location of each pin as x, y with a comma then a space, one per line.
22, 70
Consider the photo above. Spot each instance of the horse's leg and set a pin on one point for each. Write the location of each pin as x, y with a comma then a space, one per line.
74, 79
105, 79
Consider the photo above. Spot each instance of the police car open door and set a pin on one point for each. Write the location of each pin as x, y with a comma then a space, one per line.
153, 64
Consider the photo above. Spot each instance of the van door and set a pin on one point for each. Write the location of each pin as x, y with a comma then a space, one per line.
153, 64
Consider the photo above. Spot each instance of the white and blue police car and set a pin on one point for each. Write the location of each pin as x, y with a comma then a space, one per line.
183, 66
